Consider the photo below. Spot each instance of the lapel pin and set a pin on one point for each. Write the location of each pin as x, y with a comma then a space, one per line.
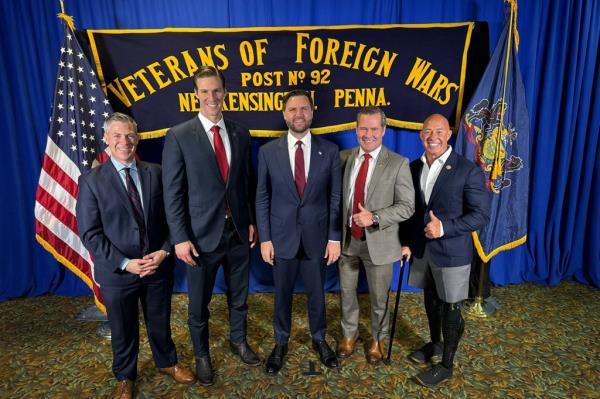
320, 153
448, 167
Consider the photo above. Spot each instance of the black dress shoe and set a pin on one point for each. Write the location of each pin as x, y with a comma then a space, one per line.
327, 356
204, 371
276, 359
245, 353
427, 352
433, 376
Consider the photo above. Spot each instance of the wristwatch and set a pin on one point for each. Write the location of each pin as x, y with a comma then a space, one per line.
375, 219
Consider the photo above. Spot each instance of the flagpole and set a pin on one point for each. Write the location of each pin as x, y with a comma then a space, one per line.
92, 313
476, 310
497, 166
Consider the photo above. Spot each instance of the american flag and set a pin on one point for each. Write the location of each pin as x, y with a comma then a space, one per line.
74, 145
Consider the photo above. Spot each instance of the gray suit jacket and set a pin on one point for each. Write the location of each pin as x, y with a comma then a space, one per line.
390, 194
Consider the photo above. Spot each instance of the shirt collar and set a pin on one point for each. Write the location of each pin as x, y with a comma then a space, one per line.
119, 166
442, 159
207, 124
291, 140
374, 154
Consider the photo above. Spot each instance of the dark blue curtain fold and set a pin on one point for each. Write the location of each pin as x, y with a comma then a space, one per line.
559, 61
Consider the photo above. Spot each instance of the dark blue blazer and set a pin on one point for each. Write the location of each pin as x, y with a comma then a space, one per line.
107, 225
460, 200
286, 219
194, 191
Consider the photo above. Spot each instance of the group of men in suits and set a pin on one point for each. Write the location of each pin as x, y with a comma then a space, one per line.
307, 210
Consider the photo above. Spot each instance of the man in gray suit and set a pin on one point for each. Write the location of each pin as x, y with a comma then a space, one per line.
377, 194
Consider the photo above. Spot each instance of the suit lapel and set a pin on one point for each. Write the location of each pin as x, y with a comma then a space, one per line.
206, 150
382, 161
234, 146
416, 175
447, 171
316, 163
348, 173
115, 180
283, 159
145, 182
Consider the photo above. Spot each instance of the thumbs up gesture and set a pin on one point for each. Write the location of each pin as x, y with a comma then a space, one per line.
364, 218
433, 229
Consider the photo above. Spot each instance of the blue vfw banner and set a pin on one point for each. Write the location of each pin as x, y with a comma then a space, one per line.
410, 71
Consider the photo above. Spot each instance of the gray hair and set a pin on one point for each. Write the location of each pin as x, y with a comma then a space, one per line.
119, 117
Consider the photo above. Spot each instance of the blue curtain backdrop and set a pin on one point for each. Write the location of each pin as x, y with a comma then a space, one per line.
559, 62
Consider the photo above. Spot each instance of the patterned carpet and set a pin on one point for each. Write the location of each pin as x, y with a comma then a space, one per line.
543, 343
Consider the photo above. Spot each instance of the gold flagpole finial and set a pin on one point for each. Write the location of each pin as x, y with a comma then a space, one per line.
67, 18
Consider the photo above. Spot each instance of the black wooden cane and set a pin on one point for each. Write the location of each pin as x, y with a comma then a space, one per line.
389, 352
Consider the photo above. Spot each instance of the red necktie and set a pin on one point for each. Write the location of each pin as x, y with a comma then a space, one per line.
299, 176
220, 152
359, 195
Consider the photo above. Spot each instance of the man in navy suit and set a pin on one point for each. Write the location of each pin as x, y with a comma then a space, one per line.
121, 221
451, 202
298, 216
209, 199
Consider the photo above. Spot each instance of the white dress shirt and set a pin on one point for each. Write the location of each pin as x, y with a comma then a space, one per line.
207, 124
134, 176
292, 146
354, 173
429, 175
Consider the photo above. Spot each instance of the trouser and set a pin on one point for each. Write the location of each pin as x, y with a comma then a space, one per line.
378, 278
312, 272
234, 256
123, 316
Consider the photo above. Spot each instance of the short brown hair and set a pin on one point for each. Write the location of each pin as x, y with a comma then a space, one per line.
298, 93
206, 71
372, 110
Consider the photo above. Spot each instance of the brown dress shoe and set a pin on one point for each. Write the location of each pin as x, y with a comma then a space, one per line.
346, 346
375, 353
124, 390
179, 374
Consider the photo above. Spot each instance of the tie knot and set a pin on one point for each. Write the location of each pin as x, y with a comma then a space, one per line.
367, 156
215, 129
299, 143
127, 170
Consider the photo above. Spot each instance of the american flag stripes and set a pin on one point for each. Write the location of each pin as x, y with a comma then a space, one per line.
74, 144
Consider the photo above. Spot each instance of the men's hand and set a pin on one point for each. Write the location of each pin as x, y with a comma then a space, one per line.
268, 252
406, 253
154, 260
433, 229
364, 218
186, 251
135, 266
252, 235
332, 252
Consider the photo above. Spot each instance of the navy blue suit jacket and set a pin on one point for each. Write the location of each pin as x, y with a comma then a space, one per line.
107, 225
460, 200
286, 219
194, 190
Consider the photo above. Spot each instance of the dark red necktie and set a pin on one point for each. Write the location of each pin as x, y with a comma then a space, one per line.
138, 211
359, 195
299, 175
220, 152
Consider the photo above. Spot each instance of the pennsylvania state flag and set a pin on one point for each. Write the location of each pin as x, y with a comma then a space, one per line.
494, 133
